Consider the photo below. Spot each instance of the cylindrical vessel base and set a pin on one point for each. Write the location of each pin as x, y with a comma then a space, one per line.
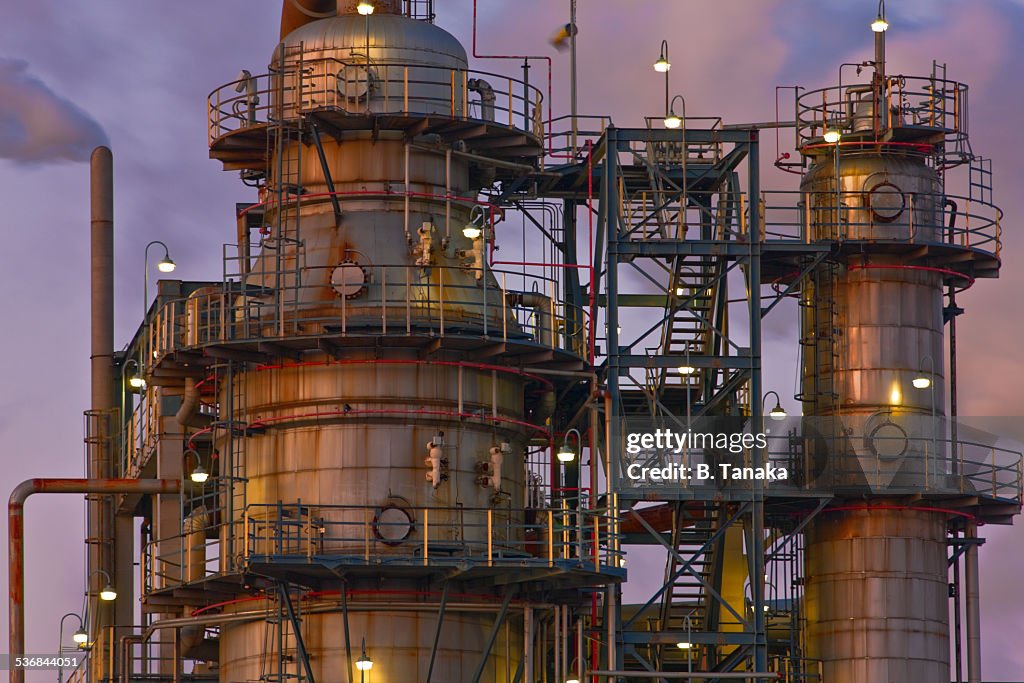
876, 596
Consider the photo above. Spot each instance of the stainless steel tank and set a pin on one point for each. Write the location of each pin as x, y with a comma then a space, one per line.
343, 440
871, 324
876, 596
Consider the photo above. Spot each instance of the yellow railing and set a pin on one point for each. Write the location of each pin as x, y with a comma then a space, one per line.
426, 536
906, 101
922, 218
358, 88
398, 300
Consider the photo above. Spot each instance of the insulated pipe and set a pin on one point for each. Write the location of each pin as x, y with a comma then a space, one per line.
100, 520
188, 413
541, 305
16, 539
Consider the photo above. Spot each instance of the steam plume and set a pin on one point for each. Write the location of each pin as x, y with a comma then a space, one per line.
37, 125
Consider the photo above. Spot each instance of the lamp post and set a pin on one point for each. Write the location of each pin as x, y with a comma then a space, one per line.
674, 121
778, 412
80, 637
566, 454
663, 66
199, 474
165, 265
364, 664
687, 645
366, 9
107, 593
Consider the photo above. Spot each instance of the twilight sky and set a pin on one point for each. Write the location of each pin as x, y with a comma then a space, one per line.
74, 74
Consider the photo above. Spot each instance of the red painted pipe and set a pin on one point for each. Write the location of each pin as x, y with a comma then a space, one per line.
16, 539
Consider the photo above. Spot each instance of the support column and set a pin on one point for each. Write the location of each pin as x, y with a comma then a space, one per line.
973, 590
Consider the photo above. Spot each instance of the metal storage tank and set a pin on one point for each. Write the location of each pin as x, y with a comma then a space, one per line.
871, 324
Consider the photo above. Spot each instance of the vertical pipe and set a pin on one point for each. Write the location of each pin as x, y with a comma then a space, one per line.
973, 605
958, 667
572, 78
756, 406
100, 520
528, 643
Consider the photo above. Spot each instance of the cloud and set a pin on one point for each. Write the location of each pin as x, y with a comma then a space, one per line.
39, 126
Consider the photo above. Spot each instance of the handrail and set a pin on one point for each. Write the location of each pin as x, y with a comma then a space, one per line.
824, 463
926, 219
393, 299
920, 102
396, 89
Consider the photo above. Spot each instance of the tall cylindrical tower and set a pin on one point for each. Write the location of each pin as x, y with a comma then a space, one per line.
873, 378
372, 386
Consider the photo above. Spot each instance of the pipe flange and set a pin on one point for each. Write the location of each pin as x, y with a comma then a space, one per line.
393, 524
348, 279
886, 201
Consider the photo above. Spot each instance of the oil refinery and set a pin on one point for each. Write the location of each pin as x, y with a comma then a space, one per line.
450, 389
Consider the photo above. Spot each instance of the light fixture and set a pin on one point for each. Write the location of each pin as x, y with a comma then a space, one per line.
686, 369
365, 8
364, 663
472, 232
107, 594
572, 680
663, 65
778, 412
166, 265
80, 636
879, 25
566, 454
137, 382
921, 382
684, 645
832, 136
674, 121
199, 474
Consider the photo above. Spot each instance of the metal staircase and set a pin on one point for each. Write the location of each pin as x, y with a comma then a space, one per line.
686, 602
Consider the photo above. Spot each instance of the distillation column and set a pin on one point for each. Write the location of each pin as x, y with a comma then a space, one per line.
876, 592
387, 401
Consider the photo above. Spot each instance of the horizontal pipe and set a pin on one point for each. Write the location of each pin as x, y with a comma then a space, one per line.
16, 538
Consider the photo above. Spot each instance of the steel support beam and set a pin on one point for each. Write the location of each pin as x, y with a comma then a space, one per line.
300, 643
437, 630
498, 621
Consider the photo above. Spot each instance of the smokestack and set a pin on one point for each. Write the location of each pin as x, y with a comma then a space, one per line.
100, 523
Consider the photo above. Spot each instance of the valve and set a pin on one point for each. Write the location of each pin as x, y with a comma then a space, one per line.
424, 250
491, 469
436, 461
